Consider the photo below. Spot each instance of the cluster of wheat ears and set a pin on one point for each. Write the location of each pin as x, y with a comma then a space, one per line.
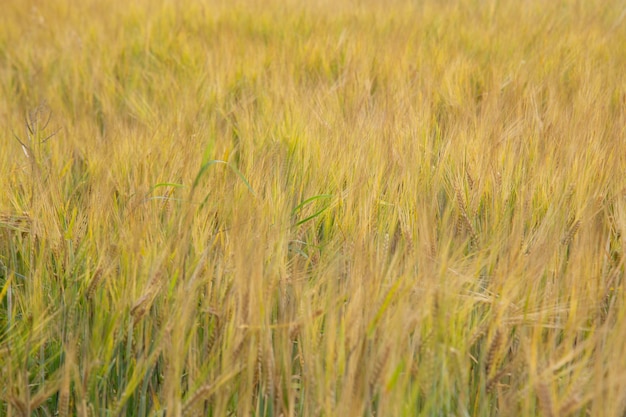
312, 208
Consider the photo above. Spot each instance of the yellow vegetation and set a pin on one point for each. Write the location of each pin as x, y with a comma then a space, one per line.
312, 208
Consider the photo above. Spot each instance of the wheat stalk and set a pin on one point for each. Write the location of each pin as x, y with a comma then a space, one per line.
545, 399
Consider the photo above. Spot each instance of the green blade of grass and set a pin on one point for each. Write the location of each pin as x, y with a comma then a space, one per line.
308, 201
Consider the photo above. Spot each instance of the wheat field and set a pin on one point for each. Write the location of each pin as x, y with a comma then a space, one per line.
312, 208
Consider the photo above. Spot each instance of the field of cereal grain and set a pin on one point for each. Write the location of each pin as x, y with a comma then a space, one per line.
312, 208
